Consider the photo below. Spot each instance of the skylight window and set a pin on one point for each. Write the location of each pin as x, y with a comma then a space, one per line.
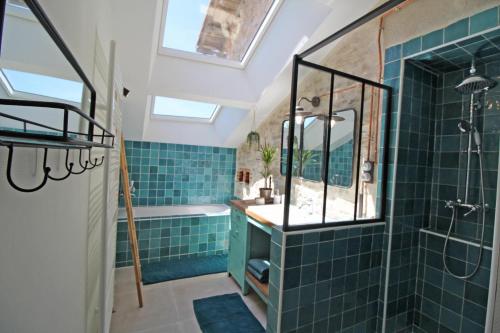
42, 85
223, 29
184, 109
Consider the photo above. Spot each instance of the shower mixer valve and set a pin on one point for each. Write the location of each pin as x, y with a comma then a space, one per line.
471, 207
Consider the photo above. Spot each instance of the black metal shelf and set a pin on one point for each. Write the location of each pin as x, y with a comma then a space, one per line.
27, 133
50, 137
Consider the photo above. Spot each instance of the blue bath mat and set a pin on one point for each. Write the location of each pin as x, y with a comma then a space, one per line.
225, 314
174, 269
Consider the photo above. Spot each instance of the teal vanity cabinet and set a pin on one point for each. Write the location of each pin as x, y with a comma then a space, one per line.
248, 238
238, 247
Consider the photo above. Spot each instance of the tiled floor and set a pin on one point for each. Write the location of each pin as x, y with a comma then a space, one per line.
168, 306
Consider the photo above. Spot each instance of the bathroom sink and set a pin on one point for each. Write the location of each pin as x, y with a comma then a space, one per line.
274, 213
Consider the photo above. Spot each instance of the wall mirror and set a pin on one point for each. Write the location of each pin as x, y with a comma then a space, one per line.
312, 151
309, 148
340, 164
36, 65
284, 148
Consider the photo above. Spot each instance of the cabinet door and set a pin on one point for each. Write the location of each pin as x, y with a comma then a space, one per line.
237, 247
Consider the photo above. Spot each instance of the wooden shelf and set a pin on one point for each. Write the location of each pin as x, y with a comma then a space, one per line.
261, 288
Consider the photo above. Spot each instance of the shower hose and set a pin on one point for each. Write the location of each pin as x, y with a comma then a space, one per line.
453, 215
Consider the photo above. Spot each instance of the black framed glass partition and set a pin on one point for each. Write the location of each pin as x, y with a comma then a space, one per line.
336, 172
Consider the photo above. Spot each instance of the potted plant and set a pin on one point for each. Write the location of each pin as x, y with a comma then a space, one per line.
268, 155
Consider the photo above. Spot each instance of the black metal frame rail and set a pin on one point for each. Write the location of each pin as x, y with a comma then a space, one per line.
51, 137
298, 60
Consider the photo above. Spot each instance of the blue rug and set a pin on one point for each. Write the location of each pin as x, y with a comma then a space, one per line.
174, 269
225, 314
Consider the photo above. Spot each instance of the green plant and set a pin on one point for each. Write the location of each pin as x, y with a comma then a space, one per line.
268, 155
301, 158
253, 138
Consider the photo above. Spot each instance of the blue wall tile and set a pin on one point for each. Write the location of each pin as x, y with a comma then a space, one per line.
456, 30
484, 20
413, 46
433, 39
335, 290
173, 238
174, 174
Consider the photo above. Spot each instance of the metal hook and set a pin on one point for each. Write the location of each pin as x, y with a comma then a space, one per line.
95, 164
69, 169
69, 166
46, 171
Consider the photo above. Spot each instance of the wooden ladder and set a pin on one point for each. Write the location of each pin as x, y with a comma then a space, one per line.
132, 235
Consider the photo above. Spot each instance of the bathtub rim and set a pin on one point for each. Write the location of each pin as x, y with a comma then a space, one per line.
225, 210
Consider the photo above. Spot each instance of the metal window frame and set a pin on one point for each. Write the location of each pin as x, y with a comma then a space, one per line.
298, 61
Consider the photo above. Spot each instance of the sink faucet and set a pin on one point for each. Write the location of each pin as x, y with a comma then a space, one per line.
309, 203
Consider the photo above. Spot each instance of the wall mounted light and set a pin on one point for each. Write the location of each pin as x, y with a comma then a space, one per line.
300, 112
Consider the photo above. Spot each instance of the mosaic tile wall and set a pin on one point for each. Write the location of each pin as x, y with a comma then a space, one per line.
173, 174
174, 238
331, 280
444, 303
451, 58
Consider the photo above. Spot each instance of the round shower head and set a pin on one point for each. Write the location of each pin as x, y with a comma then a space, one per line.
464, 126
337, 118
475, 84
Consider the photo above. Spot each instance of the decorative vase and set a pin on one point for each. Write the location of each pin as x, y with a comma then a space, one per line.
265, 192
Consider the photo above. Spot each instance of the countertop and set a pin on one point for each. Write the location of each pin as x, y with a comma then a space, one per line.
269, 214
272, 214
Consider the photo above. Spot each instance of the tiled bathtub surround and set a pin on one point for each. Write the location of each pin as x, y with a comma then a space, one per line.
444, 303
331, 280
174, 237
174, 174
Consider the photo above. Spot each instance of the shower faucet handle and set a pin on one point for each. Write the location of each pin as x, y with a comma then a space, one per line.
472, 209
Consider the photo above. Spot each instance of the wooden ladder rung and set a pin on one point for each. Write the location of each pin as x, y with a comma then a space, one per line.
132, 234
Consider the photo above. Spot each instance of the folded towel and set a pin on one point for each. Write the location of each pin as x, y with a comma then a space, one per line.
260, 265
259, 268
264, 278
261, 277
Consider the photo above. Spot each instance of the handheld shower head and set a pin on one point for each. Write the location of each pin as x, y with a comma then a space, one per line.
464, 126
477, 138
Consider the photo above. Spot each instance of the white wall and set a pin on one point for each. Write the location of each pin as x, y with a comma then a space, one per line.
43, 242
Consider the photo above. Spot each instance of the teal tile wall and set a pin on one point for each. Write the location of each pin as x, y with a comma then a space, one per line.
174, 238
450, 164
331, 280
275, 272
412, 192
173, 174
403, 224
444, 303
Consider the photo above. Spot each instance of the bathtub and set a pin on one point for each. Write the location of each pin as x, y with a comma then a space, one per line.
173, 232
176, 211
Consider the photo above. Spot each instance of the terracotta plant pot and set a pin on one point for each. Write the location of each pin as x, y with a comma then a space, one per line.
265, 192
